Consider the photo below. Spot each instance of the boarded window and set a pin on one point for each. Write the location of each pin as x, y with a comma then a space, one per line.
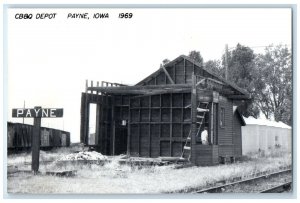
222, 117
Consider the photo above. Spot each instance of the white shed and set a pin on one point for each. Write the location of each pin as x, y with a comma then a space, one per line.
265, 135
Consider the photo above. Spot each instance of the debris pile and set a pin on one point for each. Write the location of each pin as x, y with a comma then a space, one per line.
84, 156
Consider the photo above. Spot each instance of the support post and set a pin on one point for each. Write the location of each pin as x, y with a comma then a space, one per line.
212, 124
113, 140
98, 120
35, 145
128, 129
194, 118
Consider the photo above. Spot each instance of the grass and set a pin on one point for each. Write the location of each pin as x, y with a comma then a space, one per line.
113, 178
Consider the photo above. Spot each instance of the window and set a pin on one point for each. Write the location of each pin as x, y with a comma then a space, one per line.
222, 117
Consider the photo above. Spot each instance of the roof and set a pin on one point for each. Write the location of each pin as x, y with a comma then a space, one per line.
265, 122
232, 85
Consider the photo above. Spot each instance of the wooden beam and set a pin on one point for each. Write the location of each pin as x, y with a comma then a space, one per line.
97, 86
201, 81
113, 132
212, 123
167, 74
92, 86
171, 124
194, 118
129, 129
184, 71
86, 86
97, 133
169, 86
239, 97
139, 130
149, 125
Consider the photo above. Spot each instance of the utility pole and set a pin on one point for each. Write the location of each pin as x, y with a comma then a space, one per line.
226, 61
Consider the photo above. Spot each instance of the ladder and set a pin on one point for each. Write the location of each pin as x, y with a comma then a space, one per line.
202, 109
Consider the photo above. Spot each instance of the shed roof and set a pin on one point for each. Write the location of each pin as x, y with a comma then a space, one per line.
265, 122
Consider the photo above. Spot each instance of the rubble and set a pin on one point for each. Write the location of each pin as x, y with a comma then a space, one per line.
92, 155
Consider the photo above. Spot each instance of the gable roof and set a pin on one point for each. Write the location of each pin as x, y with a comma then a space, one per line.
230, 84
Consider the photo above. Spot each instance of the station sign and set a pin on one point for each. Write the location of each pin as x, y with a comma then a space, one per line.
37, 113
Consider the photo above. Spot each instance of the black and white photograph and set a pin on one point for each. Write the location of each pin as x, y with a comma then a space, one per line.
149, 100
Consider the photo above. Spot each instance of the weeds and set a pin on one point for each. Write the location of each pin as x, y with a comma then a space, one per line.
112, 177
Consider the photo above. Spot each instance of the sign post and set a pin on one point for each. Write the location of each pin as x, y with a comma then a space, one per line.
35, 143
37, 114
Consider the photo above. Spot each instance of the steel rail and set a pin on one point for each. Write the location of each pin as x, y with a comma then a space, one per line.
221, 188
279, 188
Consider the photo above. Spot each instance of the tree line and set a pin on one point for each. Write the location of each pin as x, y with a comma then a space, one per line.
266, 76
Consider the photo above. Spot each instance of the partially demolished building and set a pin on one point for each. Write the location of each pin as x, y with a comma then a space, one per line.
165, 114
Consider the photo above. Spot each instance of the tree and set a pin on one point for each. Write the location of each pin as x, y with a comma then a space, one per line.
165, 61
274, 88
216, 67
241, 71
196, 56
240, 66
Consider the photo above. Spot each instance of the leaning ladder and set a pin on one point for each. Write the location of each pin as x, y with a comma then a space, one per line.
201, 111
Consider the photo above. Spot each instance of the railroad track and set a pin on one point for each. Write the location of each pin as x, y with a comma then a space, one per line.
224, 187
279, 189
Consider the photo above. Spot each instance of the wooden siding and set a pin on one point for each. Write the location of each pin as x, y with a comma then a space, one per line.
237, 135
225, 134
206, 155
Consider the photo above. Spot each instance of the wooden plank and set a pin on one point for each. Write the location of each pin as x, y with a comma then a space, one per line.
113, 134
168, 86
97, 86
86, 86
212, 123
129, 129
160, 112
194, 118
171, 123
149, 129
92, 86
201, 81
87, 118
174, 72
184, 71
156, 92
167, 74
182, 115
97, 133
139, 129
239, 97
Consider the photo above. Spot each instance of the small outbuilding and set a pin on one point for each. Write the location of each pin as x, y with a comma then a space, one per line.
261, 135
167, 114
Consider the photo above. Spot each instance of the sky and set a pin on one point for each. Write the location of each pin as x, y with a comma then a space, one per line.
49, 60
